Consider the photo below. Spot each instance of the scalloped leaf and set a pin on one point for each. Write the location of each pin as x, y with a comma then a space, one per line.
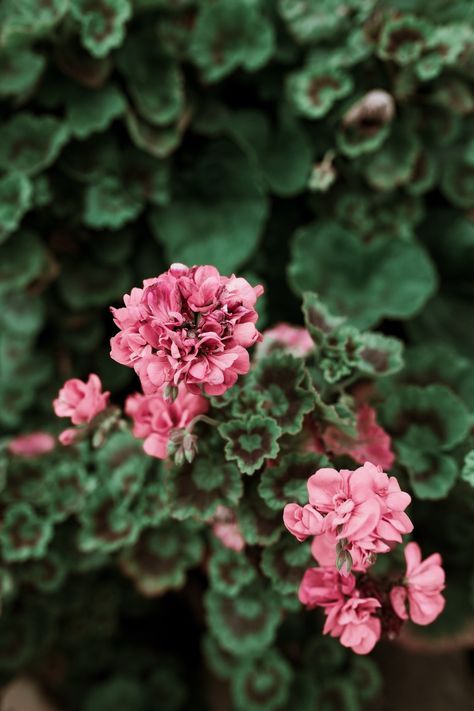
92, 111
358, 279
314, 90
197, 489
244, 625
102, 23
282, 381
22, 259
286, 481
284, 563
31, 143
24, 533
229, 35
161, 557
229, 571
20, 69
262, 684
250, 442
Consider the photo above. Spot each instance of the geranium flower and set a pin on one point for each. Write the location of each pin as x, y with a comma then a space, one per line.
190, 326
422, 588
156, 418
292, 339
81, 401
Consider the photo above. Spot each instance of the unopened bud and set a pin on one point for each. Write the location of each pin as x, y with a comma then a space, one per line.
344, 560
170, 392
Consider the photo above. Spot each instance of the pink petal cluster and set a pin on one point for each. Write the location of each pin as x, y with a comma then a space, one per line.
372, 443
226, 529
293, 339
155, 418
190, 325
81, 401
355, 513
32, 445
422, 588
349, 615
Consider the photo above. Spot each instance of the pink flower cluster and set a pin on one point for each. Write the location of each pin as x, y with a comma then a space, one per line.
372, 443
293, 339
353, 515
33, 444
156, 418
81, 401
190, 325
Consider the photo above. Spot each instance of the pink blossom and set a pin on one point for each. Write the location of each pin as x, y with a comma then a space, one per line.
422, 588
68, 436
372, 443
155, 418
324, 587
361, 512
355, 623
226, 529
302, 521
31, 445
189, 325
293, 339
81, 401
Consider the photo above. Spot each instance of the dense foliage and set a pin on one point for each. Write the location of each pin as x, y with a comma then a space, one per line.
314, 147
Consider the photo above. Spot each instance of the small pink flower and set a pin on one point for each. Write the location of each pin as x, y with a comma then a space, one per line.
81, 401
372, 443
302, 521
283, 336
190, 326
226, 529
68, 436
32, 445
423, 586
154, 418
355, 623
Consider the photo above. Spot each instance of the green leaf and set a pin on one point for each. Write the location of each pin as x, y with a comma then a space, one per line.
22, 259
250, 442
403, 39
107, 523
218, 215
228, 35
110, 203
282, 381
85, 284
244, 625
15, 200
92, 111
102, 23
319, 320
28, 19
319, 20
361, 280
286, 481
155, 82
24, 534
159, 142
378, 355
197, 489
284, 563
31, 143
261, 684
229, 571
259, 524
314, 90
432, 475
161, 557
20, 69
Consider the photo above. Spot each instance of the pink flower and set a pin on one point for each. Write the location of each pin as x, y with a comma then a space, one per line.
293, 339
302, 521
81, 401
155, 418
372, 443
360, 512
32, 445
324, 587
423, 585
68, 436
190, 326
226, 529
355, 623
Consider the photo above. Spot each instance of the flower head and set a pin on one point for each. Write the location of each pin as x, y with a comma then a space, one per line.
422, 588
190, 325
155, 418
81, 401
